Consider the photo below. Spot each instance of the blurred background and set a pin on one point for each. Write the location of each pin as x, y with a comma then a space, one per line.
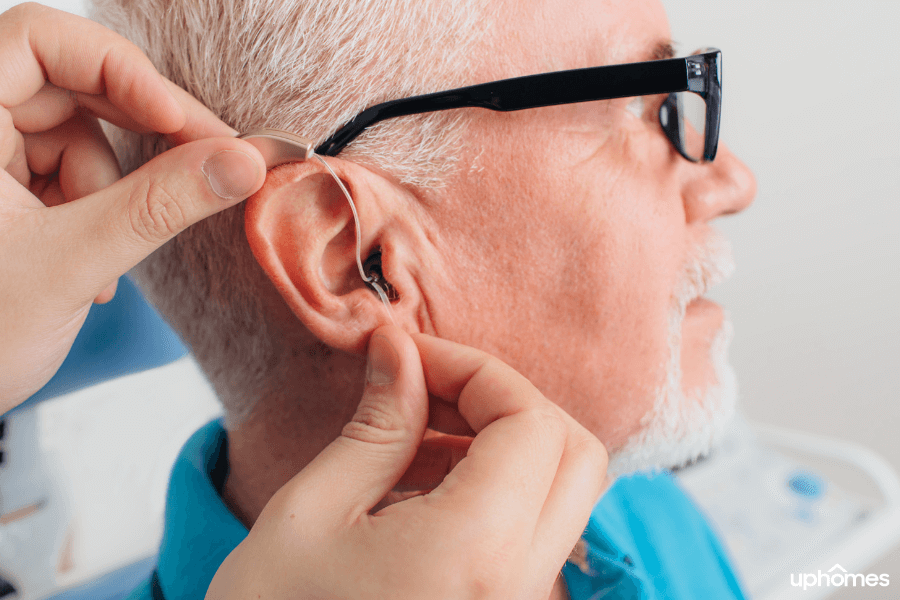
811, 103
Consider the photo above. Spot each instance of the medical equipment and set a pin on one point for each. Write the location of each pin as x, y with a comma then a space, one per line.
281, 147
802, 515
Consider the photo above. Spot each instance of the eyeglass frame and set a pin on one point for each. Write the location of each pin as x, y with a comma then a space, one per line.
700, 73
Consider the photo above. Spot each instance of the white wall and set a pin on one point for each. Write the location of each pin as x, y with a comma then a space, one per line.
73, 6
811, 101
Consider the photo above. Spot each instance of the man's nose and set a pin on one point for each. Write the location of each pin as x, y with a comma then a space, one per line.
722, 187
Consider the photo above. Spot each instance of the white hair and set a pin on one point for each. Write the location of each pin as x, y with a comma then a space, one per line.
306, 66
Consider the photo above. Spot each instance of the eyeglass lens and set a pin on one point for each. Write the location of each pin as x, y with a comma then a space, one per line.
688, 111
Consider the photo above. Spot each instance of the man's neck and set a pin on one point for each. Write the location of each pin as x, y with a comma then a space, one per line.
559, 592
275, 444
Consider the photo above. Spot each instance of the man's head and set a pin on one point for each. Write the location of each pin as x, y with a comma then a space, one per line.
571, 241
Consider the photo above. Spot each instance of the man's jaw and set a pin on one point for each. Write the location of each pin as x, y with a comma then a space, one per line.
685, 424
682, 427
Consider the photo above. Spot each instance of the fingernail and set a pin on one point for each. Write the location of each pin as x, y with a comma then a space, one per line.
384, 363
231, 174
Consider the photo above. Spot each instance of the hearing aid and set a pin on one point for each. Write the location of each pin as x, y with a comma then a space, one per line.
281, 147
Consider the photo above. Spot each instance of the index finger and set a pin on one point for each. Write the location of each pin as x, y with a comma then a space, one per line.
464, 376
513, 460
53, 105
82, 56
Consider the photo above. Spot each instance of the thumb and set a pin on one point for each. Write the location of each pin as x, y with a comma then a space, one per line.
375, 448
128, 220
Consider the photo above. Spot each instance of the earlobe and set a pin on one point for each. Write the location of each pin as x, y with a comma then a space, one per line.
301, 231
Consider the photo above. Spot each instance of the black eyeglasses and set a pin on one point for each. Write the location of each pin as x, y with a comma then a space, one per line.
693, 85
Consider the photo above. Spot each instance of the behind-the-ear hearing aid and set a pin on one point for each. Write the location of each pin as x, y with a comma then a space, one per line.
280, 147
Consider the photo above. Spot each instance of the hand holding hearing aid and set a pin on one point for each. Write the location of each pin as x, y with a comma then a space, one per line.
499, 523
70, 225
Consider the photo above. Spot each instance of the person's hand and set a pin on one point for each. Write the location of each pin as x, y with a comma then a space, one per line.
500, 525
69, 226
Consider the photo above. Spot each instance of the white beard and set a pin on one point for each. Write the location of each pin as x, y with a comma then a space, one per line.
684, 426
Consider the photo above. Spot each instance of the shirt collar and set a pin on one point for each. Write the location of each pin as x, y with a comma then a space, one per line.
200, 531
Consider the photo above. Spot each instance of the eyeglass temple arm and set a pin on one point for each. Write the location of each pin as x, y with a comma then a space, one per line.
531, 91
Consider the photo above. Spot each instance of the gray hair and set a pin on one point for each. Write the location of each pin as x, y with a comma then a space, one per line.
306, 66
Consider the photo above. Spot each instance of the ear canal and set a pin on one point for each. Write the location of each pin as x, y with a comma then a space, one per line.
372, 268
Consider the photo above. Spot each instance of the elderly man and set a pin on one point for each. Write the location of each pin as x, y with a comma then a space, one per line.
571, 241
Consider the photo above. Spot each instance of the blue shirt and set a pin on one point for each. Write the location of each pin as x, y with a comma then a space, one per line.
645, 539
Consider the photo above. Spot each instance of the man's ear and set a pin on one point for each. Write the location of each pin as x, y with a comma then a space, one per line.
300, 228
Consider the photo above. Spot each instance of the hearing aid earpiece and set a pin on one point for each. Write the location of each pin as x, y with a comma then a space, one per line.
372, 268
280, 147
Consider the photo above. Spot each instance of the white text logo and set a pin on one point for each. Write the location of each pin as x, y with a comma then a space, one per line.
837, 576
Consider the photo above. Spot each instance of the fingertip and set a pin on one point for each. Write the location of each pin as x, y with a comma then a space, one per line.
174, 113
199, 122
409, 377
133, 85
390, 331
383, 363
253, 151
424, 342
236, 172
448, 365
401, 342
